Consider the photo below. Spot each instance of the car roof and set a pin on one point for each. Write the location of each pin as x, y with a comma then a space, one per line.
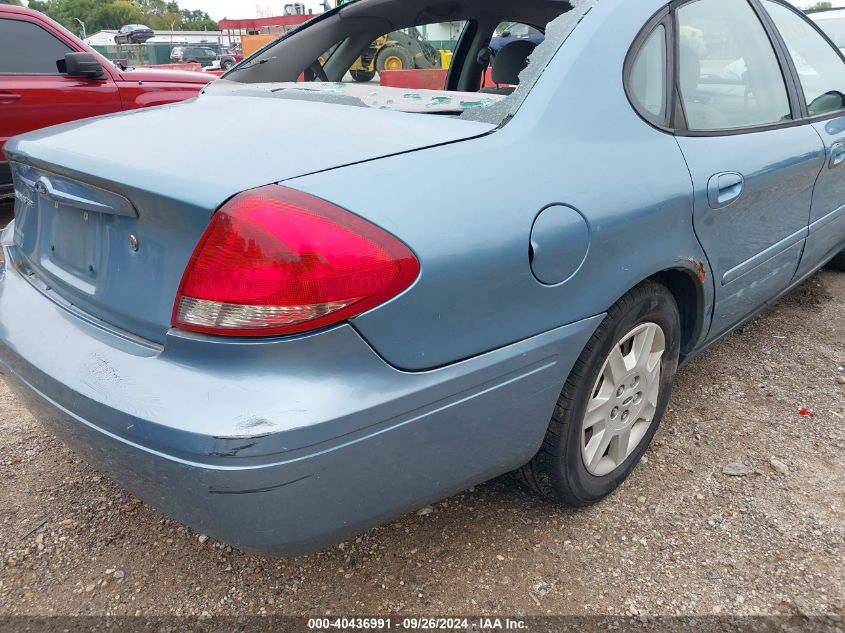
9, 8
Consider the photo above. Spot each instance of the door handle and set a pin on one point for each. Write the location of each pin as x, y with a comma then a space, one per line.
724, 188
9, 97
837, 154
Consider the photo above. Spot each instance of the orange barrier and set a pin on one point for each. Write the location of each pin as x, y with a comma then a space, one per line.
421, 79
426, 79
254, 43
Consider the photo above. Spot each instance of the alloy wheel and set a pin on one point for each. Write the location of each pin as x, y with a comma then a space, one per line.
624, 400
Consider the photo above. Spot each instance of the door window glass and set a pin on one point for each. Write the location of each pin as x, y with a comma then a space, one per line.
27, 49
729, 75
834, 27
648, 76
819, 66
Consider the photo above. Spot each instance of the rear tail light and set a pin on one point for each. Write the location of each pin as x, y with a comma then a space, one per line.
277, 261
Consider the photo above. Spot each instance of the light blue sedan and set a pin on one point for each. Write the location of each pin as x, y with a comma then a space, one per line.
391, 294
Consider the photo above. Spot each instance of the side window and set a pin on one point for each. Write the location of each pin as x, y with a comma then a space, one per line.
27, 49
647, 81
820, 68
729, 76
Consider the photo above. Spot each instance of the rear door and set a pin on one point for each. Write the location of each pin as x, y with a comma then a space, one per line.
752, 162
34, 93
820, 69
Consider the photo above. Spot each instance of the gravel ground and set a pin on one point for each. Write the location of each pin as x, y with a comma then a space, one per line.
681, 537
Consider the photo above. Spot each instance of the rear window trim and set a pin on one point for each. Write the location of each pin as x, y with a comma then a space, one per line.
661, 18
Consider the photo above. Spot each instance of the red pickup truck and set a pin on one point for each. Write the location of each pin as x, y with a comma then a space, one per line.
49, 76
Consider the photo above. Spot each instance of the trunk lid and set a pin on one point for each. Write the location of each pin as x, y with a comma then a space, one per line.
109, 210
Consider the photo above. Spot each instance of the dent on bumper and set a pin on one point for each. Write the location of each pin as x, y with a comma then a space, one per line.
278, 446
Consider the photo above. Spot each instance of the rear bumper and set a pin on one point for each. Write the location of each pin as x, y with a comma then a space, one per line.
277, 446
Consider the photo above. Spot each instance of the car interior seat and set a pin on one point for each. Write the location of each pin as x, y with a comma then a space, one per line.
700, 113
507, 66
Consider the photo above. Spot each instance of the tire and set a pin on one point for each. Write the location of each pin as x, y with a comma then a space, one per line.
363, 76
838, 262
227, 64
391, 56
559, 470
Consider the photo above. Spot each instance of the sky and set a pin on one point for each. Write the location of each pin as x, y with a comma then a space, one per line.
235, 9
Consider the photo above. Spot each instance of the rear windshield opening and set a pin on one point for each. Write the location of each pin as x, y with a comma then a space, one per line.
480, 64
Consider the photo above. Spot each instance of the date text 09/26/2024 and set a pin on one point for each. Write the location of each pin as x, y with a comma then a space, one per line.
413, 624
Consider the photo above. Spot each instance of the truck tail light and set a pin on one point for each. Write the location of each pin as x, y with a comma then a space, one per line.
277, 261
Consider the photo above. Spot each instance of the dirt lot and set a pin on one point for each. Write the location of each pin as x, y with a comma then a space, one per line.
682, 537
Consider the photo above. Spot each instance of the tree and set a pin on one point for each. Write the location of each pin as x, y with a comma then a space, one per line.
100, 15
821, 6
17, 3
197, 21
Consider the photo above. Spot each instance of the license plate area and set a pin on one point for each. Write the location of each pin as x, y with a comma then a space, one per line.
71, 245
63, 225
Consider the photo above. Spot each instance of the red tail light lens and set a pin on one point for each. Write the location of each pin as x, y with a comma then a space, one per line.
277, 261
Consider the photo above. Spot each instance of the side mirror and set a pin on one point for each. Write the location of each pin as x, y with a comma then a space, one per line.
83, 65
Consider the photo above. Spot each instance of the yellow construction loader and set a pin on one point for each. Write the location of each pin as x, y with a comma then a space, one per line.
400, 50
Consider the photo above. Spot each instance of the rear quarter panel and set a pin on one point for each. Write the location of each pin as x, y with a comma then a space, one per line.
467, 209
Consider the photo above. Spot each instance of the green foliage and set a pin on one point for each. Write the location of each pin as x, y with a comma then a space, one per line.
821, 6
113, 14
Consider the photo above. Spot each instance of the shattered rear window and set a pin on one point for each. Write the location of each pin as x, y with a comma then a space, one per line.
439, 53
397, 99
557, 31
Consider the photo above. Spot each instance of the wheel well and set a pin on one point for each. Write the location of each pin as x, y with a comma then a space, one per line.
689, 296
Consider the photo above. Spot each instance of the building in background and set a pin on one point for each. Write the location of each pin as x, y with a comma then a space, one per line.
219, 38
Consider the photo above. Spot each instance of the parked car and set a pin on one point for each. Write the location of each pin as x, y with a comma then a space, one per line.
49, 76
225, 61
832, 22
229, 58
194, 54
516, 31
134, 34
280, 357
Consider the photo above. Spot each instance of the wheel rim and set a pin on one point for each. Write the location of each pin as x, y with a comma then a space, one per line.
393, 63
624, 400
